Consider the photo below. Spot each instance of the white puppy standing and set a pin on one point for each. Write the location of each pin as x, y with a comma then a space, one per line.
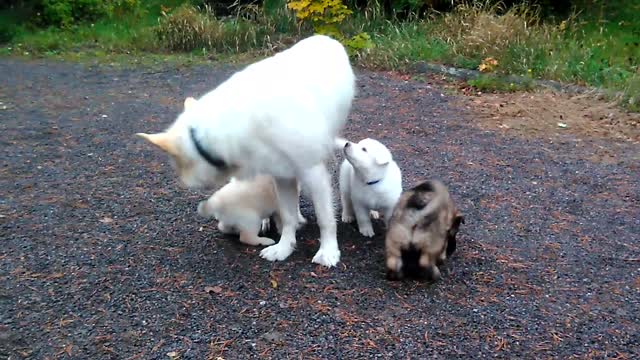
369, 181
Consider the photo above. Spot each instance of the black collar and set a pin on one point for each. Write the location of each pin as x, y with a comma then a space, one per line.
374, 182
214, 161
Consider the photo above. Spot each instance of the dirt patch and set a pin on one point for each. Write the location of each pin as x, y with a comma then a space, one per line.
548, 114
542, 114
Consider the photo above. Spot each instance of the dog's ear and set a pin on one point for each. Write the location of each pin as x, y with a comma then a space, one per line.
162, 140
452, 232
383, 158
189, 102
455, 224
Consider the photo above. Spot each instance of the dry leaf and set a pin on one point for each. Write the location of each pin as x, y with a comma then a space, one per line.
488, 65
215, 289
106, 220
274, 284
173, 355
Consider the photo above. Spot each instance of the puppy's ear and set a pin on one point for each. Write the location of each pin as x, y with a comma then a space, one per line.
383, 158
189, 102
452, 232
162, 140
455, 224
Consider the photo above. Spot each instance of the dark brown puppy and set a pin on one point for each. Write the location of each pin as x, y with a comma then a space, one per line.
422, 232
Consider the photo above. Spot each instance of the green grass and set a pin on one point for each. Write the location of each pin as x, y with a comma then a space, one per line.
588, 49
500, 83
596, 48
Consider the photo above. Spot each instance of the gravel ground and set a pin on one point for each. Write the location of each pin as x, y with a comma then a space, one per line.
104, 257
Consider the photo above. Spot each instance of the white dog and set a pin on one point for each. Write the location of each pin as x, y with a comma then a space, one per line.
278, 117
369, 181
244, 207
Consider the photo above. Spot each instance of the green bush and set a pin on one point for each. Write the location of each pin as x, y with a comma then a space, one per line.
65, 13
57, 13
7, 32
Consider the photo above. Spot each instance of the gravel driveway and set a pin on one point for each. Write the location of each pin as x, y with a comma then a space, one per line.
104, 257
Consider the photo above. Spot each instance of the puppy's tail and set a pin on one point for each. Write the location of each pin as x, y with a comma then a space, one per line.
339, 143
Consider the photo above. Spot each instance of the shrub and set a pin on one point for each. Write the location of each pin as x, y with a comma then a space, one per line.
57, 13
64, 13
186, 29
7, 32
477, 29
325, 17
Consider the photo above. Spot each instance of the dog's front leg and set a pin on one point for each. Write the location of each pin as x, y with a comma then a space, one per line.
318, 180
287, 199
364, 220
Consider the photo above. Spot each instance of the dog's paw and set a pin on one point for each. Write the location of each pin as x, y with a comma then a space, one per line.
374, 214
393, 275
277, 252
266, 225
367, 231
265, 241
347, 218
328, 256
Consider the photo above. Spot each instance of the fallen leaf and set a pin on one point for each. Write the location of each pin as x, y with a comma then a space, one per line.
215, 289
274, 284
106, 220
173, 354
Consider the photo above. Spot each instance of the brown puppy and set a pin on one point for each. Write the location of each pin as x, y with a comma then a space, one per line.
422, 232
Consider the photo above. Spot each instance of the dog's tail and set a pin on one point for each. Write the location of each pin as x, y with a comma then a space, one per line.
339, 143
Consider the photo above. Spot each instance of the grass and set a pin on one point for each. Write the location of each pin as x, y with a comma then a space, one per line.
596, 48
492, 82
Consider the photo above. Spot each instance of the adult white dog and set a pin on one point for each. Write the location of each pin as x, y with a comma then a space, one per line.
280, 117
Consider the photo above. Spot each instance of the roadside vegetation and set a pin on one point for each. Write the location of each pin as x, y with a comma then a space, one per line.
588, 42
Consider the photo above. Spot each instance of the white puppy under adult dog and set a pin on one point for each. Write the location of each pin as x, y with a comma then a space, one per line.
278, 117
369, 181
245, 207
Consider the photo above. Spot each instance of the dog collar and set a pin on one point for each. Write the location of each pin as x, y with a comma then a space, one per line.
374, 182
213, 160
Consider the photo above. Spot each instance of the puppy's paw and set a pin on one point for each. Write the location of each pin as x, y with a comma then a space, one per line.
367, 231
227, 229
374, 214
301, 222
202, 209
265, 226
265, 241
328, 256
346, 218
429, 273
393, 275
277, 252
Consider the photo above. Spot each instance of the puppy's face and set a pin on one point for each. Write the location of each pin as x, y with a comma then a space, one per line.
193, 171
369, 158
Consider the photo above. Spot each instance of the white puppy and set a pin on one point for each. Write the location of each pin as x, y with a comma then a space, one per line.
244, 206
278, 117
369, 181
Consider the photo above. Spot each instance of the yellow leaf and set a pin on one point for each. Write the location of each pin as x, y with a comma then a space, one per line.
274, 284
